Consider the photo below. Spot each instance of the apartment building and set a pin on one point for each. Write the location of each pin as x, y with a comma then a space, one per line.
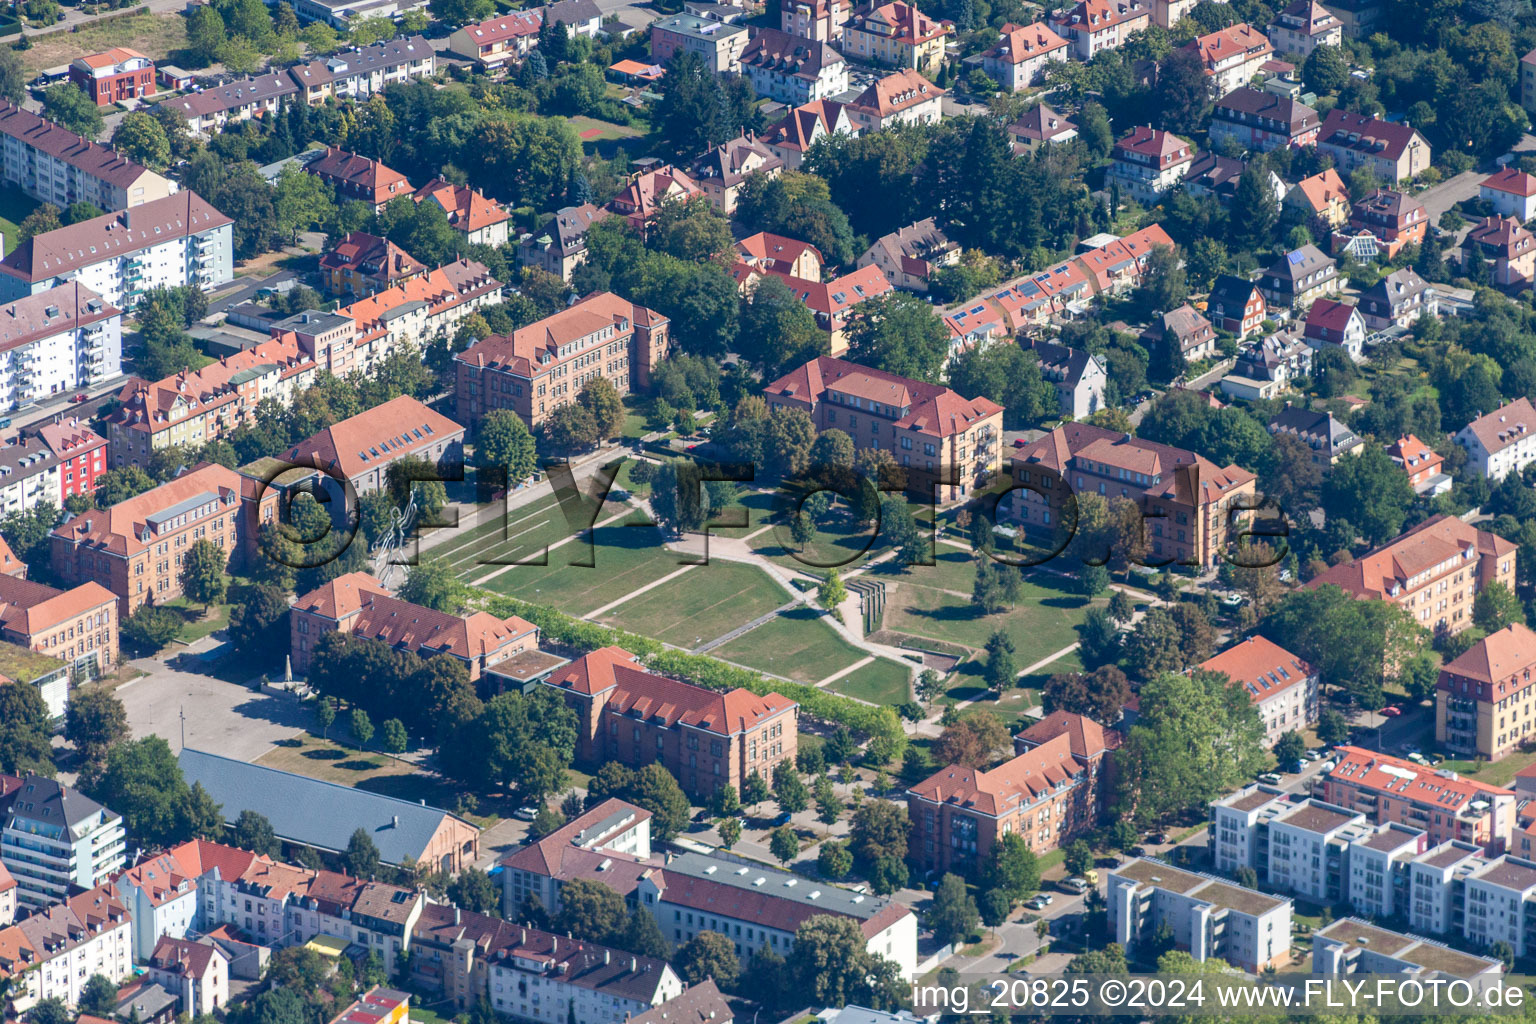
1304, 25
1018, 59
78, 627
1090, 745
640, 201
704, 738
54, 165
56, 342
902, 97
1284, 688
1485, 702
795, 71
32, 472
49, 676
896, 35
1395, 152
1501, 442
361, 448
196, 973
611, 840
1210, 919
1148, 163
1434, 570
1300, 278
1236, 305
171, 242
113, 76
211, 109
1397, 300
494, 43
760, 908
1259, 120
1422, 464
721, 171
480, 220
1504, 247
1189, 503
818, 20
947, 445
1436, 801
55, 951
361, 72
55, 837
1353, 946
357, 177
1329, 439
379, 1005
134, 548
160, 894
1511, 192
909, 257
8, 889
1094, 25
359, 604
1231, 56
1528, 81
718, 44
538, 368
560, 246
194, 407
361, 264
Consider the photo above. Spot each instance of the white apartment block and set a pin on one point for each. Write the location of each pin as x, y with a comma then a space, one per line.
1210, 918
1352, 946
1378, 869
552, 979
1284, 688
56, 342
52, 953
54, 165
54, 838
1307, 849
1435, 879
161, 901
1501, 442
611, 841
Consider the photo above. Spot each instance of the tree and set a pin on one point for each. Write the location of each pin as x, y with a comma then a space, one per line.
303, 201
1354, 644
591, 910
898, 333
1255, 208
833, 860
642, 935
1001, 672
1372, 492
142, 782
1418, 676
1495, 607
362, 727
831, 966
828, 807
1010, 376
777, 331
503, 442
730, 831
67, 105
456, 13
973, 741
395, 738
953, 915
325, 715
658, 792
708, 955
1079, 858
432, 584
474, 890
26, 731
99, 996
802, 529
878, 830
94, 720
50, 1011
994, 906
361, 857
1289, 748
1012, 867
204, 575
1332, 726
140, 137
678, 498
755, 790
40, 221
602, 400
1121, 608
1100, 695
831, 593
252, 831
1153, 646
789, 789
1163, 285
1183, 92
1325, 70
13, 77
1092, 580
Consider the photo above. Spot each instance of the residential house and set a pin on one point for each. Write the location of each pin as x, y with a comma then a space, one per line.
977, 324
1285, 689
722, 170
909, 257
57, 341
359, 604
1511, 192
902, 97
896, 35
1183, 330
1501, 243
1323, 198
493, 43
196, 973
1395, 152
1304, 25
161, 897
1484, 698
1501, 442
1018, 59
1329, 439
1434, 570
180, 240
820, 21
1397, 300
1528, 81
1231, 56
947, 445
537, 369
641, 199
701, 1003
52, 953
361, 448
1299, 278
719, 44
357, 177
1235, 305
323, 815
613, 837
1210, 919
134, 548
832, 302
1094, 25
1118, 266
379, 1005
1422, 464
1191, 503
580, 17
1385, 222
366, 70
1077, 375
8, 889
361, 264
1332, 323
113, 76
1392, 789
1212, 174
54, 165
480, 220
1260, 121
1039, 125
791, 137
560, 246
1059, 291
209, 110
78, 627
55, 838
792, 70
705, 738
1149, 162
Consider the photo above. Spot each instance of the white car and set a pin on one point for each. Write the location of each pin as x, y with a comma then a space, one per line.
527, 812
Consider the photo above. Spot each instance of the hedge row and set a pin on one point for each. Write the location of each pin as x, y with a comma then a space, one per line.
880, 725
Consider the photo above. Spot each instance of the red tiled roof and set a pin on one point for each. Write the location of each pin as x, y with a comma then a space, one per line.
1408, 781
1262, 667
1086, 738
1020, 781
1512, 180
530, 351
1386, 570
377, 437
183, 957
1024, 42
1329, 315
932, 409
1505, 425
1498, 656
467, 209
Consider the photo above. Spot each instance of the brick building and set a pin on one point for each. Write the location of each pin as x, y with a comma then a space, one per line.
114, 75
1390, 789
77, 626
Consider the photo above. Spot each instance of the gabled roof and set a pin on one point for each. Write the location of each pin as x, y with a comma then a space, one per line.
645, 192
1261, 667
467, 209
1512, 180
58, 310
806, 123
30, 608
358, 171
1385, 571
1163, 148
1408, 781
699, 1004
373, 256
900, 90
184, 957
77, 151
512, 25
375, 437
903, 22
1240, 40
1308, 15
1330, 315
1021, 781
1497, 657
1232, 291
1246, 103
1086, 738
128, 527
64, 250
733, 161
150, 406
1373, 136
1322, 189
930, 409
531, 350
1298, 263
1020, 43
1505, 425
411, 627
233, 95
364, 61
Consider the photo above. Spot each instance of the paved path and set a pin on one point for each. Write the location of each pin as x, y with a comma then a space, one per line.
851, 668
721, 641
629, 510
669, 577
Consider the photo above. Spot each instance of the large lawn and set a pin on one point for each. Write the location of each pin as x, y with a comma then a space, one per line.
797, 645
703, 603
1496, 773
624, 558
880, 682
15, 205
839, 544
154, 35
1044, 619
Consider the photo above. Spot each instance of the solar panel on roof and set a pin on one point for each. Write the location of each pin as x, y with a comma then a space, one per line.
1295, 257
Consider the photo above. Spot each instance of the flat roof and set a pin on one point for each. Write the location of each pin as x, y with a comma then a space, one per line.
766, 881
1451, 854
1250, 799
1509, 874
527, 665
1358, 933
1319, 818
1393, 838
1235, 897
24, 666
1432, 956
1164, 876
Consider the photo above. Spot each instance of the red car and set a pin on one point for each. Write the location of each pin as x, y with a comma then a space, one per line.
1392, 711
81, 397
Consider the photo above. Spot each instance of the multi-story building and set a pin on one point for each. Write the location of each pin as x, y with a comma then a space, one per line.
1284, 688
1231, 56
1501, 442
1299, 278
1485, 703
909, 257
194, 407
1435, 800
363, 71
1353, 946
134, 548
54, 838
361, 448
1435, 570
8, 889
1322, 198
177, 241
1392, 220
897, 35
1265, 369
49, 676
196, 973
78, 627
1332, 323
52, 953
1511, 192
1394, 151
81, 454
1209, 918
1502, 244
480, 220
560, 246
704, 738
359, 604
1236, 306
1077, 375
1094, 25
1191, 504
492, 44
211, 109
793, 70
54, 165
1329, 439
640, 201
1148, 163
1259, 120
1309, 848
947, 445
357, 177
1422, 464
379, 1005
903, 97
818, 20
1182, 330
1018, 59
113, 76
718, 44
1397, 300
791, 137
57, 341
361, 264
721, 171
1304, 25
832, 303
538, 368
760, 908
612, 840
1090, 744
161, 898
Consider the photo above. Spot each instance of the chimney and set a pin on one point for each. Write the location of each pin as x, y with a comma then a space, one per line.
458, 915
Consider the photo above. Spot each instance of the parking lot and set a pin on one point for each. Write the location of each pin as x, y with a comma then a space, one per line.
219, 717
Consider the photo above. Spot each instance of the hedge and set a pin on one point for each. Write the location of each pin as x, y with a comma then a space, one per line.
880, 725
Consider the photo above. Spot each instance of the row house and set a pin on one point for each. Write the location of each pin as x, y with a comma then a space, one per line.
54, 165
1058, 291
1039, 125
1502, 245
177, 241
1332, 323
1485, 703
722, 171
897, 35
361, 448
559, 246
910, 257
55, 840
194, 407
1511, 192
494, 43
612, 838
792, 137
211, 109
1261, 121
903, 97
1501, 442
1231, 56
1094, 25
793, 70
1328, 437
359, 604
1397, 300
539, 368
1384, 222
1211, 919
1118, 267
1284, 689
706, 739
78, 626
1191, 504
1393, 152
1299, 278
1304, 25
57, 341
113, 76
365, 71
1422, 463
718, 44
1322, 199
358, 177
1435, 571
52, 953
1236, 305
820, 21
1437, 801
361, 264
1148, 163
1018, 60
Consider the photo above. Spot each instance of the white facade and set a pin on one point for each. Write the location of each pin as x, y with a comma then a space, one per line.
1378, 870
48, 848
1509, 204
1501, 442
107, 951
523, 990
1210, 918
204, 260
70, 356
173, 916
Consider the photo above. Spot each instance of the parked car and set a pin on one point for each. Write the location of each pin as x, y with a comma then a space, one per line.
527, 812
1418, 758
80, 397
1391, 711
782, 819
1077, 885
1271, 778
1313, 755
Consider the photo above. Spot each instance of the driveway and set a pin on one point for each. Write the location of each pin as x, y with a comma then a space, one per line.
224, 718
1439, 198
